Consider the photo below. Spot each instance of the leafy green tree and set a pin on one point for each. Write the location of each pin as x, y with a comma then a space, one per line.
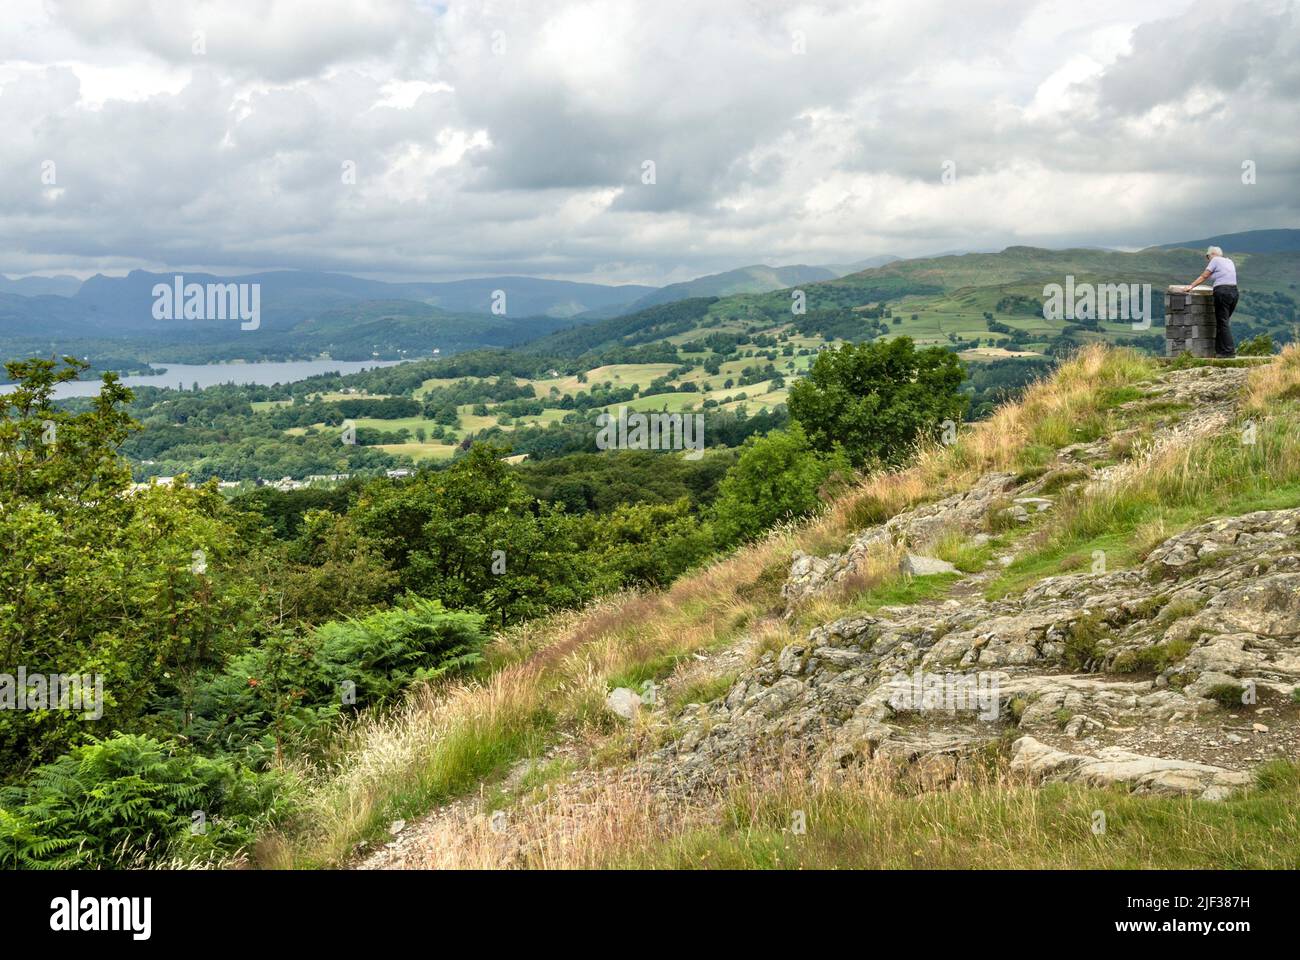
649, 545
330, 571
777, 477
875, 399
472, 537
144, 589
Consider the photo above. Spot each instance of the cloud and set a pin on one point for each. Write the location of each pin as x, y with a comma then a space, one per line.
414, 139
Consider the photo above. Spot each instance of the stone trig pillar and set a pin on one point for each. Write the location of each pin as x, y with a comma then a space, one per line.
1189, 322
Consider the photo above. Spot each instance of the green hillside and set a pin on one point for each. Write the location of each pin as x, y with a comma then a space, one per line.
755, 279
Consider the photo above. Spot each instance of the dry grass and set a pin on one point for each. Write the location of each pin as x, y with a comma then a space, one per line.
1046, 415
1273, 383
781, 815
555, 672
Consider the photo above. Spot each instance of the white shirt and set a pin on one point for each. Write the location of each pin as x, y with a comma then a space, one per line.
1223, 272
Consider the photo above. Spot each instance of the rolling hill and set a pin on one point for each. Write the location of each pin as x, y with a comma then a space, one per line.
1251, 241
755, 279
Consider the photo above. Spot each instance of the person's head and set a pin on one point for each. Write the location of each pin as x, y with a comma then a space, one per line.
1213, 252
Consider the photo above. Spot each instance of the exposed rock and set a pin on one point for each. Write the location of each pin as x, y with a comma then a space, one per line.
1207, 681
1033, 504
915, 565
1112, 766
623, 702
1225, 590
1080, 726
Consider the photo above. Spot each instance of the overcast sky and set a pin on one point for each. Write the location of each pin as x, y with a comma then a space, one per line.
492, 138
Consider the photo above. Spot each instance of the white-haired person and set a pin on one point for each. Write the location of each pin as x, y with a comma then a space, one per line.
1222, 274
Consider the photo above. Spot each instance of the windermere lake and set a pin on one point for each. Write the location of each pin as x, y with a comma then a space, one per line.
185, 375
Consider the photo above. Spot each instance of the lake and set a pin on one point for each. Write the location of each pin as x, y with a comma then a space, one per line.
211, 374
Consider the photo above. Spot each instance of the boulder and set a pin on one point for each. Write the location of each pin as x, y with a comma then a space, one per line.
915, 565
1113, 766
623, 702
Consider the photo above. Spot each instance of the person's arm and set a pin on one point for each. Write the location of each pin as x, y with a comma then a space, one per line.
1205, 275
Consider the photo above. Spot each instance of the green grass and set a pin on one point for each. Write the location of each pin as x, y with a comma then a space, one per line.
1227, 695
501, 796
429, 450
652, 670
904, 591
964, 554
705, 690
1152, 659
461, 758
1116, 396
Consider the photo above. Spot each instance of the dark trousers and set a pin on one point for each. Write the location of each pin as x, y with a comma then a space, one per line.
1225, 302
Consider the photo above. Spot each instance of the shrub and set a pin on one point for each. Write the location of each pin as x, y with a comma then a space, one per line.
1227, 695
777, 477
93, 807
1257, 346
292, 688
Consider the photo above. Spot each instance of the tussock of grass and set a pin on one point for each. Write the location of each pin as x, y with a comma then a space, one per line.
962, 552
1153, 659
1274, 383
706, 689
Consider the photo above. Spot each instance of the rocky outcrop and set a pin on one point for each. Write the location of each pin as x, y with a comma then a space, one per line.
1101, 661
916, 565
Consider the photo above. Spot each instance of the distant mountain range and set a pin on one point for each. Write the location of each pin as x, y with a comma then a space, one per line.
307, 313
942, 299
314, 304
844, 269
60, 286
290, 296
1251, 241
303, 312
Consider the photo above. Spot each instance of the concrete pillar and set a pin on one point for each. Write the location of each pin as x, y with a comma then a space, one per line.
1189, 322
